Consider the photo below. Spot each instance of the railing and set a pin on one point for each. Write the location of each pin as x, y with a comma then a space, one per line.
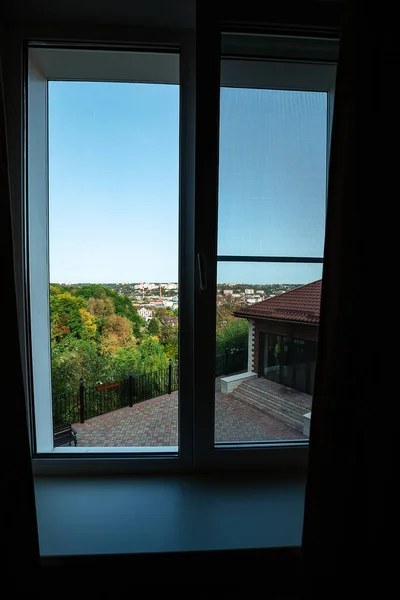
92, 401
232, 360
96, 400
66, 407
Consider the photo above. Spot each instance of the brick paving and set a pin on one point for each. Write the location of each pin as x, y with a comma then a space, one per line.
155, 423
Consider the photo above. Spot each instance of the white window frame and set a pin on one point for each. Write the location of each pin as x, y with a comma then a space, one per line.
53, 64
259, 72
197, 405
143, 60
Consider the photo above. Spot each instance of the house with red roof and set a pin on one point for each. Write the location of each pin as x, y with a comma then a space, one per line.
283, 336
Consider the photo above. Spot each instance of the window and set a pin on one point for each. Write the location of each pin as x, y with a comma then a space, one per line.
265, 256
271, 218
115, 222
105, 198
113, 256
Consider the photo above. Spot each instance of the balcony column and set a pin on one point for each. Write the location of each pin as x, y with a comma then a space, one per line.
250, 360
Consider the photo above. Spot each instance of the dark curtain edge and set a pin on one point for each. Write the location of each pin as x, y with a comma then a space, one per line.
20, 534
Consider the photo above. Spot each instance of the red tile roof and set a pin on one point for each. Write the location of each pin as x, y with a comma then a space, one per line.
301, 304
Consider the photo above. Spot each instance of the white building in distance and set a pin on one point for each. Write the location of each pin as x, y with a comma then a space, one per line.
145, 313
170, 286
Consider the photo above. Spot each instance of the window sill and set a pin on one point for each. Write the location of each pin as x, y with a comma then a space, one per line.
140, 514
79, 450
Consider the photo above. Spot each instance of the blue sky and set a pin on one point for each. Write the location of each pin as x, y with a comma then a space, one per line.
114, 182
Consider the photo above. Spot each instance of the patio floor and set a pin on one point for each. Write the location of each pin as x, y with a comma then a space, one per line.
155, 423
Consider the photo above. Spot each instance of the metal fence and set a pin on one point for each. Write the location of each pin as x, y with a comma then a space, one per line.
232, 360
92, 401
66, 407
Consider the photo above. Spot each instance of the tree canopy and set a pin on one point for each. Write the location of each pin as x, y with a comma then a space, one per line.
97, 335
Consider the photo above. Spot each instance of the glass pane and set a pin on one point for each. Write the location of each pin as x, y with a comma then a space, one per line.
267, 334
113, 230
272, 172
272, 350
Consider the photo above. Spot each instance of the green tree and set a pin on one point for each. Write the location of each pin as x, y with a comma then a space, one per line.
92, 290
100, 307
56, 289
234, 335
117, 332
65, 316
154, 326
73, 359
225, 312
89, 326
122, 304
152, 355
169, 340
165, 311
124, 362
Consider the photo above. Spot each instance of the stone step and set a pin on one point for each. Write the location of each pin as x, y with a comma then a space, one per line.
262, 395
274, 411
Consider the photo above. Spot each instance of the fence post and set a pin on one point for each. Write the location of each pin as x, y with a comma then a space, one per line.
134, 388
130, 390
226, 361
170, 376
81, 401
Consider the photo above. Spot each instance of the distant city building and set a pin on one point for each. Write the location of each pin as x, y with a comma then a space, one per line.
156, 303
145, 313
170, 286
169, 321
228, 292
249, 291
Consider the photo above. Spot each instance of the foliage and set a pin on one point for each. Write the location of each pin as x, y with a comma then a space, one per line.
148, 356
56, 289
169, 339
66, 318
100, 307
89, 326
165, 311
73, 359
225, 312
152, 355
122, 305
97, 334
124, 362
154, 326
234, 335
116, 333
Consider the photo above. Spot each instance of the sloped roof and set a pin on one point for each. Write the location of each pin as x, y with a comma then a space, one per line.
301, 304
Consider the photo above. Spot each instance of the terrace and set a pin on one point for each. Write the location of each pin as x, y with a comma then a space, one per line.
242, 416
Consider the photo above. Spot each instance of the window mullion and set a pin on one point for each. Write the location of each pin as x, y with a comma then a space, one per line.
186, 247
206, 207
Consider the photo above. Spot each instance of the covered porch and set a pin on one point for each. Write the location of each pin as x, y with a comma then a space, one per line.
283, 337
